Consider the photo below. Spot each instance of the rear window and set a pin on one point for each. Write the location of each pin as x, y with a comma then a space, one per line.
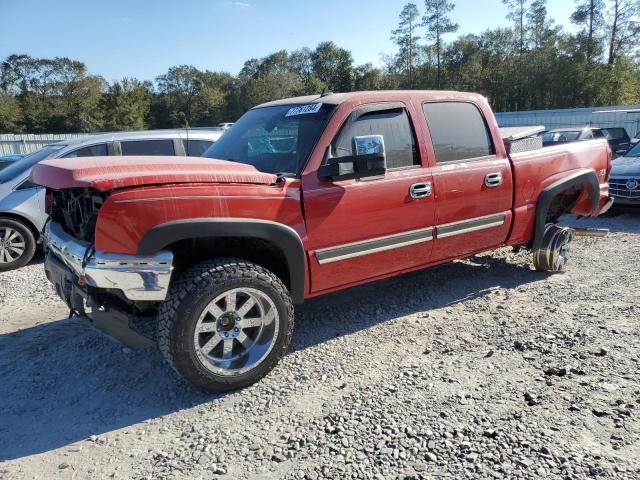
458, 131
615, 133
148, 147
195, 148
90, 151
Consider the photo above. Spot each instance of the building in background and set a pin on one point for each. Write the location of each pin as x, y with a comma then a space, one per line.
627, 116
11, 144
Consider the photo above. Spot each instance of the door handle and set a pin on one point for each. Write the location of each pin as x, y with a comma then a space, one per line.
420, 190
493, 180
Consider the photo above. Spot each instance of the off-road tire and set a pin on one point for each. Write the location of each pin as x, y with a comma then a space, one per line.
189, 295
29, 240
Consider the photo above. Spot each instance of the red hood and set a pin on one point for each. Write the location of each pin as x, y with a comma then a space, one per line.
108, 173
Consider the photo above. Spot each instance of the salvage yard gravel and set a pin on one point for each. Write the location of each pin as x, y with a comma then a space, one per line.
482, 368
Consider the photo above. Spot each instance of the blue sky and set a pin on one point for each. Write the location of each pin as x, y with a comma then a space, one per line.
118, 38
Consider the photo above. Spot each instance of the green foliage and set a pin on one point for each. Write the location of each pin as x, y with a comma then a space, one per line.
532, 64
125, 105
407, 39
10, 114
589, 17
333, 66
437, 24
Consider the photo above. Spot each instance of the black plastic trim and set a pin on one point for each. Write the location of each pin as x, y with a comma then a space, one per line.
281, 236
582, 177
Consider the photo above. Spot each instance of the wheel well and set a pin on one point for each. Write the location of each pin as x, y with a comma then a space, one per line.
561, 196
255, 250
26, 222
563, 203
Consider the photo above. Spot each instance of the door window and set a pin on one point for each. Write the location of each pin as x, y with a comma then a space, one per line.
99, 150
393, 125
195, 148
458, 131
148, 147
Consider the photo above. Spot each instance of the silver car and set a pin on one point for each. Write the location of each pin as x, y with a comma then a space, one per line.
22, 203
624, 183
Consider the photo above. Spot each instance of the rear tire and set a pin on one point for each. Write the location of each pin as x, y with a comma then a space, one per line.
225, 324
17, 244
553, 255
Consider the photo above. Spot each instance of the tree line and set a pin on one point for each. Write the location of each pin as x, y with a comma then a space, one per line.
530, 64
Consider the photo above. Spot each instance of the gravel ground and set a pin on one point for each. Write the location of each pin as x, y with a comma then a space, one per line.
480, 369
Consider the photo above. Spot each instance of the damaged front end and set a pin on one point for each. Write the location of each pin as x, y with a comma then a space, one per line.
105, 289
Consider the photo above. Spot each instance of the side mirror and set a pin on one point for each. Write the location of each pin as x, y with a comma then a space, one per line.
369, 160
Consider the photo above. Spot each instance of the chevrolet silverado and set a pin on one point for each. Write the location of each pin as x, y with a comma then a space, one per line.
301, 197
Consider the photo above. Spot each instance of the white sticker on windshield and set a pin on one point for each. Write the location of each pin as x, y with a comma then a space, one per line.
304, 109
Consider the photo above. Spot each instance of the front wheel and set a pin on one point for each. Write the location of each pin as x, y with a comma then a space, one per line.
225, 324
17, 244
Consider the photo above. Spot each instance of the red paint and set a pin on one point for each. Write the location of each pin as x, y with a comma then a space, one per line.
151, 191
108, 173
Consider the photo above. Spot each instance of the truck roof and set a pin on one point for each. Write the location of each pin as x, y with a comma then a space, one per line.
376, 95
212, 134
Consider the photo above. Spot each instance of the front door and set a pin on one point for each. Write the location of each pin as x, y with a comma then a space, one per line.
367, 228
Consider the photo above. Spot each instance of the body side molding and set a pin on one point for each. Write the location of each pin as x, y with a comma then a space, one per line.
470, 225
373, 245
281, 236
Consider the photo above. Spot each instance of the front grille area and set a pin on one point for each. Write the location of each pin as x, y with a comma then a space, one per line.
618, 188
77, 211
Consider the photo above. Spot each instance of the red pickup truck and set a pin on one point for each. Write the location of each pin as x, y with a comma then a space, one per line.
301, 197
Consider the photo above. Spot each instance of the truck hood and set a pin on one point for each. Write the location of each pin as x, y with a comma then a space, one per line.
109, 173
624, 166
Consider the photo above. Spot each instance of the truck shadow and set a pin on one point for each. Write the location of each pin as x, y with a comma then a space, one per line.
62, 382
365, 306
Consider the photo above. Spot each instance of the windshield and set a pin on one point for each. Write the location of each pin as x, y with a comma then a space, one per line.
634, 152
25, 163
558, 137
274, 139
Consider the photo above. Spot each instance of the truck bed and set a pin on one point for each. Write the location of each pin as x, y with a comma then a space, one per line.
535, 170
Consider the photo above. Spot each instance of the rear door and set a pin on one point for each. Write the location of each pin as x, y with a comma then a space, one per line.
473, 186
360, 229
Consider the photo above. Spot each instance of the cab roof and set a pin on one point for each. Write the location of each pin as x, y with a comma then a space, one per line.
376, 95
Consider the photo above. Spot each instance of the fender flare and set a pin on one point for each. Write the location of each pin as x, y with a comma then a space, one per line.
283, 237
587, 178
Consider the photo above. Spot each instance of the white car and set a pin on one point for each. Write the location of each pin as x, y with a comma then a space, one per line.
22, 203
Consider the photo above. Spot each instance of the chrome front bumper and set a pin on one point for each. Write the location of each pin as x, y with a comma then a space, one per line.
139, 278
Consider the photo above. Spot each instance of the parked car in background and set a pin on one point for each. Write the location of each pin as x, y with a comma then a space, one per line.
617, 137
225, 126
7, 160
22, 203
559, 136
625, 179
